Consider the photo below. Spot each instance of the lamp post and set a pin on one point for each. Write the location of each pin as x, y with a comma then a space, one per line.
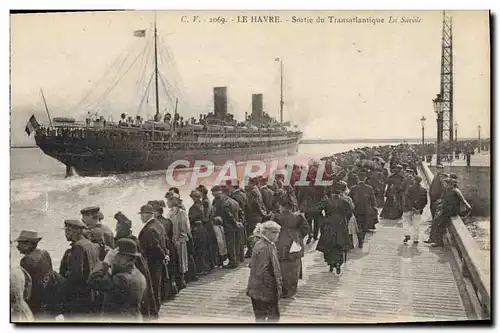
479, 137
438, 108
422, 122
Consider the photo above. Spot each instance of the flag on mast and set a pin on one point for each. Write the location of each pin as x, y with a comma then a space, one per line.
277, 59
140, 33
32, 125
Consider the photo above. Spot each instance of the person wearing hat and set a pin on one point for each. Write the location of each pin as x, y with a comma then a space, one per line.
265, 282
76, 265
239, 195
125, 287
196, 216
181, 231
149, 308
38, 264
352, 225
170, 289
437, 188
255, 210
365, 209
98, 232
393, 205
334, 239
294, 228
209, 228
451, 201
229, 210
415, 202
154, 250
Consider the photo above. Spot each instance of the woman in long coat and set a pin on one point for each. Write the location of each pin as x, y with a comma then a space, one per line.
334, 239
180, 231
213, 248
196, 215
352, 225
294, 228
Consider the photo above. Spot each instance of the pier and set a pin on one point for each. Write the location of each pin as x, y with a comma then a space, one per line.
385, 281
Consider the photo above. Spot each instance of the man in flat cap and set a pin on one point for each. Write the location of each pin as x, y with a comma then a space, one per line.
38, 264
76, 265
98, 233
228, 210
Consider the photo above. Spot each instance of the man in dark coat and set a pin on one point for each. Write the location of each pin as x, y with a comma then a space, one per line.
267, 194
415, 202
170, 290
38, 264
125, 286
237, 194
76, 265
437, 188
365, 212
154, 250
256, 210
228, 209
98, 233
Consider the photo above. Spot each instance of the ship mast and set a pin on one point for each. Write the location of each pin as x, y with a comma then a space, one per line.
156, 73
281, 96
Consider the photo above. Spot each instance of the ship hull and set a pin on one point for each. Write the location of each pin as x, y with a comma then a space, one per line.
90, 158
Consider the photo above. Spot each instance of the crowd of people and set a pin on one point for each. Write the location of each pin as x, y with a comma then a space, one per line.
124, 277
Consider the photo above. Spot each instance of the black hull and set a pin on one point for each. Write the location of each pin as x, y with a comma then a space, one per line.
93, 158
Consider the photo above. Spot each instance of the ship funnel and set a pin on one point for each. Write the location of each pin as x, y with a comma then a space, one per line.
220, 101
257, 107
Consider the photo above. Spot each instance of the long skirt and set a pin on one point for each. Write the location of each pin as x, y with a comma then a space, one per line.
391, 210
334, 256
352, 226
221, 239
213, 248
201, 252
290, 271
182, 253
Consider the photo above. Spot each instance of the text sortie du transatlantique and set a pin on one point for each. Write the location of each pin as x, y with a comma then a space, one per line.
327, 19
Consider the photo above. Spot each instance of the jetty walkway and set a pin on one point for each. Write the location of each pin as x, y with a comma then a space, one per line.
386, 281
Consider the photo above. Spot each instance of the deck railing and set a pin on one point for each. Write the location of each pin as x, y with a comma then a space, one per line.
470, 260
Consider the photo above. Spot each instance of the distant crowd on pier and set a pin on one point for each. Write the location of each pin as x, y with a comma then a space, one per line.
106, 275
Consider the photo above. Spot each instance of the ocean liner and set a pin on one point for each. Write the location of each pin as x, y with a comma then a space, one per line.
99, 146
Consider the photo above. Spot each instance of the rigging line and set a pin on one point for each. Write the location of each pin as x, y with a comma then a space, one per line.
173, 90
144, 59
145, 93
143, 74
118, 81
169, 96
128, 48
171, 60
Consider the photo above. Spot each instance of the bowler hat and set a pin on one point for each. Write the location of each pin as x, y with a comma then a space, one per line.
127, 246
90, 210
75, 224
28, 236
146, 209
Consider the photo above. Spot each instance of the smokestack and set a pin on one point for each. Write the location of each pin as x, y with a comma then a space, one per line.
257, 107
220, 101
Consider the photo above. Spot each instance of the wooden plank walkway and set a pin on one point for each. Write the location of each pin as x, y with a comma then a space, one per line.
386, 281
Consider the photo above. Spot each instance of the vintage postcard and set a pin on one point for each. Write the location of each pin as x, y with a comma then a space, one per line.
250, 166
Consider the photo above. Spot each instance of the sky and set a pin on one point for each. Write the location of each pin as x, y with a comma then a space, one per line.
340, 80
